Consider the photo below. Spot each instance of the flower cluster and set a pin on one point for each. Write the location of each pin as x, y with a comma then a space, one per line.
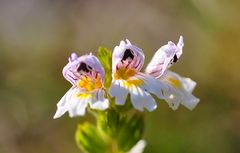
87, 75
110, 84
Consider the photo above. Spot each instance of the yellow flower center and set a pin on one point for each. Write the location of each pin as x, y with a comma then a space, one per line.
126, 74
131, 83
176, 83
90, 84
84, 95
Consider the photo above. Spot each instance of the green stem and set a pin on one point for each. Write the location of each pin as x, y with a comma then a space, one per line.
114, 147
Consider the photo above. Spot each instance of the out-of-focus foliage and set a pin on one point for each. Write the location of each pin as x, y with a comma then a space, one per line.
89, 139
36, 38
120, 132
131, 132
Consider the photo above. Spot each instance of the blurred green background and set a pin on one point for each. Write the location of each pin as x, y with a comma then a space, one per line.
37, 36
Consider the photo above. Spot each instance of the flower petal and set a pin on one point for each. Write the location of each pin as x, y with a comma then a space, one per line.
70, 71
78, 107
94, 63
73, 57
99, 101
153, 85
173, 98
127, 55
81, 107
180, 45
188, 84
136, 99
119, 91
139, 147
190, 101
149, 102
180, 91
65, 102
142, 99
164, 58
86, 63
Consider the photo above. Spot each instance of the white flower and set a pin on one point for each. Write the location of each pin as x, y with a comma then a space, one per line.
164, 58
139, 147
127, 79
86, 75
179, 89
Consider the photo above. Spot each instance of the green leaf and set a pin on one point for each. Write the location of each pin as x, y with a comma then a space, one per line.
89, 139
131, 132
105, 57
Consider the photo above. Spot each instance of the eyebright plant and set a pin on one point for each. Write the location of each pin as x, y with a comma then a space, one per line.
115, 90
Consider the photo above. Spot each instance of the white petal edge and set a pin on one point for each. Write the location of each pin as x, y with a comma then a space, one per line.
81, 107
78, 107
118, 91
142, 99
183, 94
153, 85
136, 99
99, 102
65, 101
163, 58
139, 147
